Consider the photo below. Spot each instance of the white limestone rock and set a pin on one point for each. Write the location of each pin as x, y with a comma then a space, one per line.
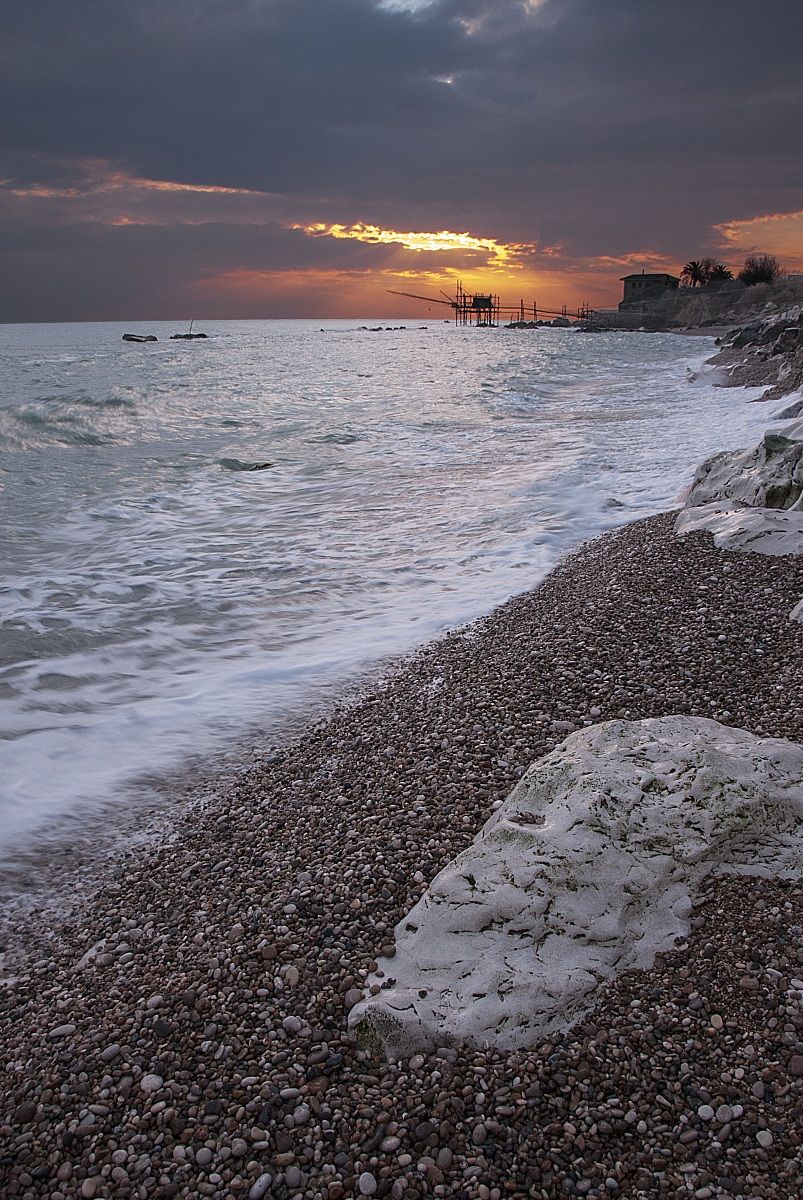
793, 409
769, 475
751, 499
586, 870
770, 531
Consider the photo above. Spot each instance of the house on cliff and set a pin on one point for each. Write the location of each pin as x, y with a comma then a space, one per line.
646, 289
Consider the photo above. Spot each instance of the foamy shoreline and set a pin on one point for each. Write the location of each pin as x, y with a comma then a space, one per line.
422, 502
186, 1030
182, 1029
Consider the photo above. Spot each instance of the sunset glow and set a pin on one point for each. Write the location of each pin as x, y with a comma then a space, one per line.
332, 149
102, 179
780, 234
498, 254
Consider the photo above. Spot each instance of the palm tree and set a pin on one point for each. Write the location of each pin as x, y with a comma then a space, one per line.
693, 274
719, 273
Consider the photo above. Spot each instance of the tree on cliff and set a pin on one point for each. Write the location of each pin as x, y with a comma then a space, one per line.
719, 273
760, 268
693, 274
705, 271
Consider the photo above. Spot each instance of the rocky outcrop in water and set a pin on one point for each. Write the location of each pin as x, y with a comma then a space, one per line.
768, 351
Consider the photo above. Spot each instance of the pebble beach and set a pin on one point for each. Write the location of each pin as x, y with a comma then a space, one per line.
182, 1030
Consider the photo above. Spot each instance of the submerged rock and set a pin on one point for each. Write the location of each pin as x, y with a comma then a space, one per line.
587, 869
236, 464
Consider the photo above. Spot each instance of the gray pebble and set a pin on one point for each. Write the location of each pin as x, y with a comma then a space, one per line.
62, 1031
259, 1188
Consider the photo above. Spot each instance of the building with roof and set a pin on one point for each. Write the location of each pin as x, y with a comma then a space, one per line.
645, 288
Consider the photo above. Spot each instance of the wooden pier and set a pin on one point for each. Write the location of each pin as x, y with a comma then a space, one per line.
485, 311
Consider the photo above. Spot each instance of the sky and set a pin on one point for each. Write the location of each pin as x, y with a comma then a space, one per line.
167, 159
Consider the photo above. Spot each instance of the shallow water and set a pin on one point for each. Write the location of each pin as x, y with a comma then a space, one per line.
198, 538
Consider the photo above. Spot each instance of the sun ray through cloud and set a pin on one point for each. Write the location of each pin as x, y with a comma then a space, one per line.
497, 254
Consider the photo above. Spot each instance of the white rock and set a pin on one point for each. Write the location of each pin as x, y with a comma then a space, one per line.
770, 531
769, 475
150, 1083
751, 499
583, 873
792, 407
797, 612
792, 429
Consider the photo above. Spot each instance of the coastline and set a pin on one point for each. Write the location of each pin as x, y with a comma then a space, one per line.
767, 353
124, 811
338, 615
222, 963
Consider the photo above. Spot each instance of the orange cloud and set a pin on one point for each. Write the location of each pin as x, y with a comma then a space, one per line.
366, 292
497, 254
116, 181
108, 195
780, 234
167, 185
652, 260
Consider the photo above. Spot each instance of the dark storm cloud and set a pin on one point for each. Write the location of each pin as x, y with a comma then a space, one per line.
604, 125
89, 270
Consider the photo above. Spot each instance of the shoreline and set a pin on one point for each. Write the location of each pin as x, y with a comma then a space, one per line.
31, 872
767, 353
222, 962
59, 771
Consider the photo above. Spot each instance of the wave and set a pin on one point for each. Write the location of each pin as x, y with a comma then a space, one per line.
338, 439
66, 429
105, 402
158, 609
64, 420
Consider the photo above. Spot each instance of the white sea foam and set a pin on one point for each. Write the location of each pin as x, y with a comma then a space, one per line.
156, 604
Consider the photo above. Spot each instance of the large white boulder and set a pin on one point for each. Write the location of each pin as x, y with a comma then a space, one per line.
751, 499
587, 869
769, 475
763, 530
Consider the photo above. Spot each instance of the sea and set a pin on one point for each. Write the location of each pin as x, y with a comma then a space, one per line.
202, 541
